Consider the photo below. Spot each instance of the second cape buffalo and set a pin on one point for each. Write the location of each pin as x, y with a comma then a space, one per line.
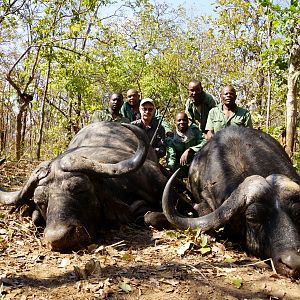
105, 178
242, 179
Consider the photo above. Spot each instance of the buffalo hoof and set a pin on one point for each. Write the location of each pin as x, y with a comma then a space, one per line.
63, 237
157, 220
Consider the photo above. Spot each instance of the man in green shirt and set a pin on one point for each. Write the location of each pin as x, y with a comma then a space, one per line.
182, 147
227, 113
199, 104
130, 108
112, 113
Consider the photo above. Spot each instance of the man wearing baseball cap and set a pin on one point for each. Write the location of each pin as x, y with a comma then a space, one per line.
149, 124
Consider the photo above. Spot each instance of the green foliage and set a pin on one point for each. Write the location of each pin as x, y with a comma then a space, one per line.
199, 239
155, 49
296, 160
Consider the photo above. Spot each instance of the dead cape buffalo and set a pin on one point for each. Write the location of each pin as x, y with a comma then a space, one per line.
105, 178
243, 180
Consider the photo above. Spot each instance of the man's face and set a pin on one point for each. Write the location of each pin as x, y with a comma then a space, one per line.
147, 110
133, 97
115, 102
195, 90
228, 95
181, 122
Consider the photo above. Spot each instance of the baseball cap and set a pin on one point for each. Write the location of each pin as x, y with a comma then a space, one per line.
145, 100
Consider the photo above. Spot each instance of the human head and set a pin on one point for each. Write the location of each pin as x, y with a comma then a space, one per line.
147, 107
195, 90
133, 97
228, 95
115, 102
182, 122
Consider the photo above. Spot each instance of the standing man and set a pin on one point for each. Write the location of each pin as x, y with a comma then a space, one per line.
112, 113
130, 109
148, 123
227, 113
199, 104
185, 143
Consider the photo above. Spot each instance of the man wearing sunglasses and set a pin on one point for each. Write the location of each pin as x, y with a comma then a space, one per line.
149, 124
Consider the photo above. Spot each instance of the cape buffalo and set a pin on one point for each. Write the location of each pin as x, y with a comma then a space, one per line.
243, 180
105, 178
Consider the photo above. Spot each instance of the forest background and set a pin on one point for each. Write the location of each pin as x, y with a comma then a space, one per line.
61, 59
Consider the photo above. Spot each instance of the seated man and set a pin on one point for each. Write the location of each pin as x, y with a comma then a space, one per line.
112, 113
149, 124
182, 147
227, 113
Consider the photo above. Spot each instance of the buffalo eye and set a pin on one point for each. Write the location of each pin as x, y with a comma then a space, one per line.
256, 214
294, 208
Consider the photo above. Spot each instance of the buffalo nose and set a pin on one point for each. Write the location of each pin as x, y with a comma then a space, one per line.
62, 236
291, 258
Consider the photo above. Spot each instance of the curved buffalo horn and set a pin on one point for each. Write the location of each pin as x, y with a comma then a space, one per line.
285, 187
21, 196
74, 162
252, 188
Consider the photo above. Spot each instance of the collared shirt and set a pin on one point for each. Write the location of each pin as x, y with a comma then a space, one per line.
127, 112
198, 114
105, 115
180, 142
159, 140
217, 119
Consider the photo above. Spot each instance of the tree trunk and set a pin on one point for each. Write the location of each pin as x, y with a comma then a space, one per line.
19, 130
269, 79
291, 100
39, 144
24, 127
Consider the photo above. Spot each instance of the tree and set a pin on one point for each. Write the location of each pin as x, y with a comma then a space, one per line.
293, 77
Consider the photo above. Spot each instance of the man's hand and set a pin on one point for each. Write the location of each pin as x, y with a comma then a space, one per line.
169, 134
209, 134
185, 155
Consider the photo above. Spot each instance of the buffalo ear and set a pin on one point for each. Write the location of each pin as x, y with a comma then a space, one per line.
26, 193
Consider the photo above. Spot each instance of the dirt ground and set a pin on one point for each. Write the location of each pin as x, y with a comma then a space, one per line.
131, 263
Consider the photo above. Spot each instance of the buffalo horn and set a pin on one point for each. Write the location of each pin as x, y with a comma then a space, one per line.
252, 188
285, 187
78, 163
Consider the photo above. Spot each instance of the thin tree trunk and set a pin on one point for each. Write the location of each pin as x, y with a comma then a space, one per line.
291, 100
38, 152
24, 126
19, 130
269, 80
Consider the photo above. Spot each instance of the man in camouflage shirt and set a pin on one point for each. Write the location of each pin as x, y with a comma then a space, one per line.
185, 143
112, 113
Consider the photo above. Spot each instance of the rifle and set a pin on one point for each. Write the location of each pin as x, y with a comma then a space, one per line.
160, 121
